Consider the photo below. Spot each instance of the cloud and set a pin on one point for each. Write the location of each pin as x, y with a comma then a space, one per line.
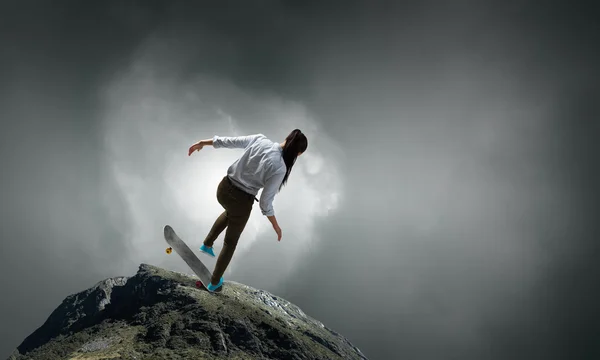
151, 117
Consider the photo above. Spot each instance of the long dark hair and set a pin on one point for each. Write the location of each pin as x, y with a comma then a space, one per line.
295, 143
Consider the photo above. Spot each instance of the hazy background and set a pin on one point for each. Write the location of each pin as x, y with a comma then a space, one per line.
446, 207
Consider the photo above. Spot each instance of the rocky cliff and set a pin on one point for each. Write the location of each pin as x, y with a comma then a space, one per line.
159, 314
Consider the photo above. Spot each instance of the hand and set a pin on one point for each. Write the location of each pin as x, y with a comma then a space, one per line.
196, 147
278, 231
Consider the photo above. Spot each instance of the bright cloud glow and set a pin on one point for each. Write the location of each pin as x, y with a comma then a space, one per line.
151, 120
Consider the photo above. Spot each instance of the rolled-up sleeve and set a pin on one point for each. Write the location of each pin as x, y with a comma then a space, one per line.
234, 142
269, 192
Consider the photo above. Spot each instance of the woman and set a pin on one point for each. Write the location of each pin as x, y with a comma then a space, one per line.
263, 164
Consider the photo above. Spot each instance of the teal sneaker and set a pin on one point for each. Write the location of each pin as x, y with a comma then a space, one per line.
213, 288
207, 250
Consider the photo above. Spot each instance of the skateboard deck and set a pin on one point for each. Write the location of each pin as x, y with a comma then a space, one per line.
189, 257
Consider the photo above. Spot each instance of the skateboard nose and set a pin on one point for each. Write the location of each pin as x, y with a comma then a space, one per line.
168, 230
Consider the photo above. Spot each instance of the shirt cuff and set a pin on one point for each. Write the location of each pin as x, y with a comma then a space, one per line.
268, 213
216, 142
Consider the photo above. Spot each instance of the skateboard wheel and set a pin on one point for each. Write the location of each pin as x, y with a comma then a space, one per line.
198, 284
169, 250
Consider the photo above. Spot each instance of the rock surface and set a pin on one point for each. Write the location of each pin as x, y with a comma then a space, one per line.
160, 314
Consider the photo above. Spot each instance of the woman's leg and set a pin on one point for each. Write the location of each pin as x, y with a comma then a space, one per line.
221, 222
216, 230
232, 235
238, 207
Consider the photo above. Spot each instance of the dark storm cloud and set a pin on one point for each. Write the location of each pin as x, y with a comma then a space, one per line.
510, 120
465, 227
54, 234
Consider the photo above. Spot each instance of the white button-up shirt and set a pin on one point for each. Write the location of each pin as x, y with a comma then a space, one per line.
260, 166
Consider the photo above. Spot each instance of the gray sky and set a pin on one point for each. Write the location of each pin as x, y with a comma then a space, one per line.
445, 206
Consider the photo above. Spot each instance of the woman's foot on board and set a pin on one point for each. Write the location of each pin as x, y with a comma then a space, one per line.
213, 288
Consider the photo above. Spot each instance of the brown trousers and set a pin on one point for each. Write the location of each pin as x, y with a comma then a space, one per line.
238, 206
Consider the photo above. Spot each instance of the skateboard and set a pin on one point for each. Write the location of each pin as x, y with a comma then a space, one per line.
184, 251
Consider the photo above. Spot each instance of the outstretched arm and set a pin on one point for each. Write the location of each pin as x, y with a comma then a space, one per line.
206, 142
230, 142
199, 145
233, 142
